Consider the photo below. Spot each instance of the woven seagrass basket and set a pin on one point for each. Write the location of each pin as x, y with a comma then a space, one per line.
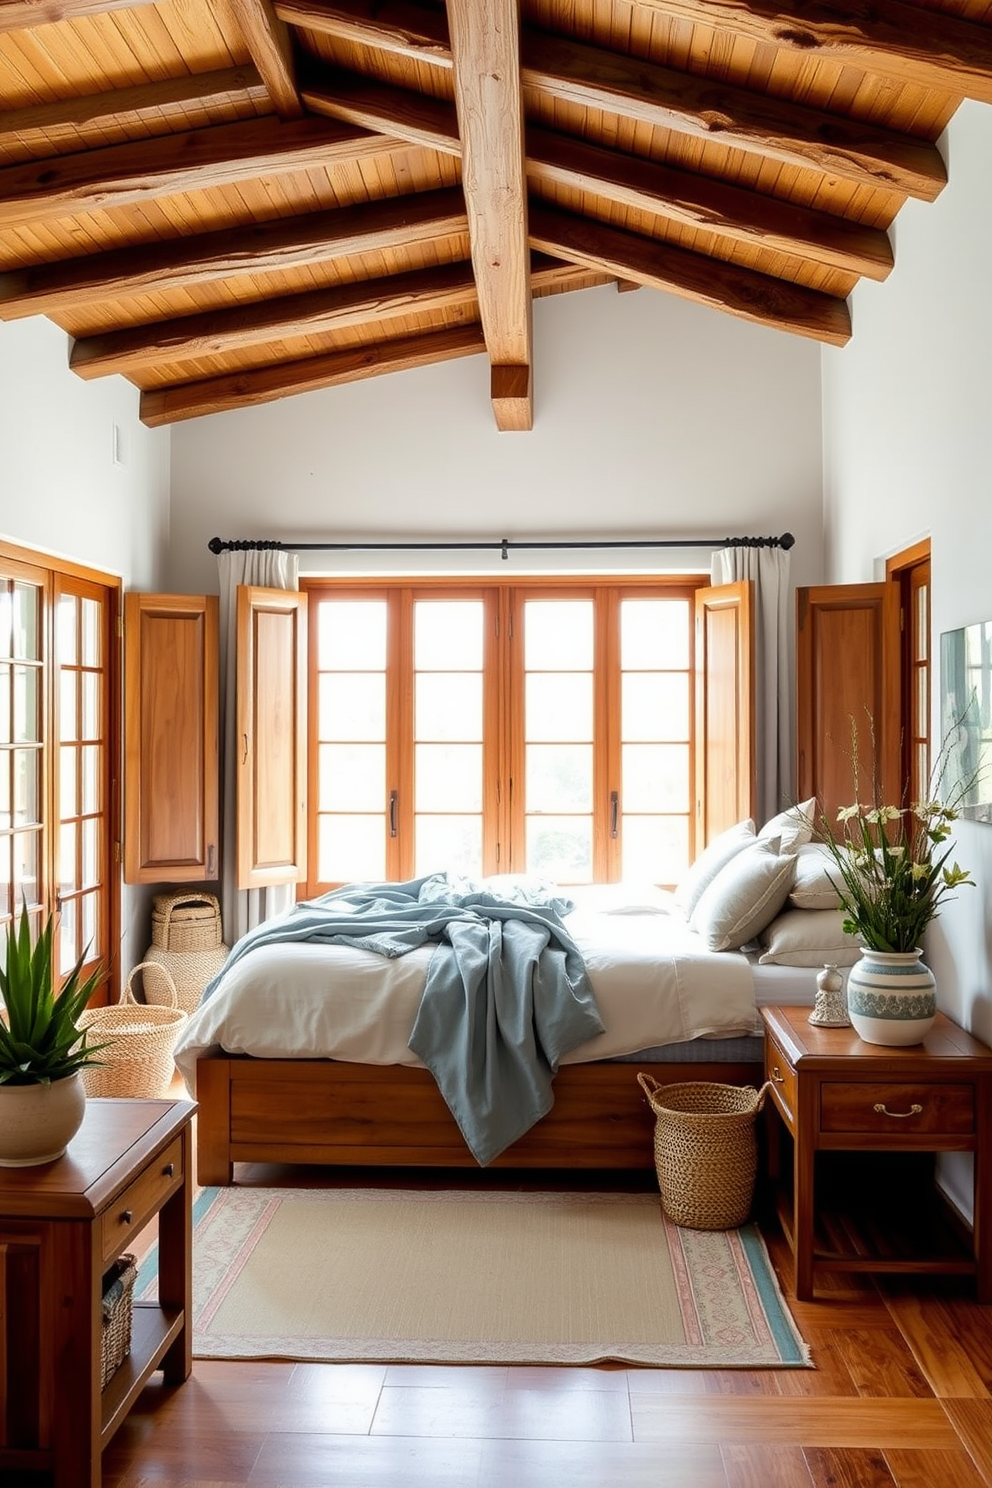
188, 946
118, 1314
705, 1151
140, 1039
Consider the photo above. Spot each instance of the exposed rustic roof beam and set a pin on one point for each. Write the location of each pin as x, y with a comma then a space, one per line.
21, 15
389, 25
693, 201
926, 47
740, 291
94, 180
266, 37
485, 46
316, 312
257, 248
169, 405
710, 109
156, 106
411, 116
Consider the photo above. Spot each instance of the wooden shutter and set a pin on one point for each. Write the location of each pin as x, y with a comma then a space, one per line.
271, 736
847, 673
725, 749
170, 738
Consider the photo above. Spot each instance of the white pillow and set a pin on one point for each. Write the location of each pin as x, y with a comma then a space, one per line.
622, 898
817, 879
745, 896
709, 862
809, 937
793, 828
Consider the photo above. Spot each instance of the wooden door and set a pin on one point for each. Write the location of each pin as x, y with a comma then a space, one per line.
171, 813
271, 736
847, 694
725, 742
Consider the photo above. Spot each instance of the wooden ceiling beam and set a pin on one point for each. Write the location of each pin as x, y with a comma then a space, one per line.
24, 15
743, 292
96, 180
414, 117
708, 108
256, 248
169, 405
266, 37
388, 25
925, 47
485, 45
688, 200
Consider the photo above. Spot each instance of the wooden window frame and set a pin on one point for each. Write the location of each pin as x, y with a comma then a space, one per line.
909, 570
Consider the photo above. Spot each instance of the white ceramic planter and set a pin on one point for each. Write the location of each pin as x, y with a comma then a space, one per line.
891, 997
37, 1122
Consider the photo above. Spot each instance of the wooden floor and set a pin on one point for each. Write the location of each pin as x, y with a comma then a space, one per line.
901, 1395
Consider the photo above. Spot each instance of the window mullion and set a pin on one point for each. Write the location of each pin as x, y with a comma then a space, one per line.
606, 736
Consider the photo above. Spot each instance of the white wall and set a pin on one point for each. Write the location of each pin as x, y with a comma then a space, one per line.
61, 490
653, 417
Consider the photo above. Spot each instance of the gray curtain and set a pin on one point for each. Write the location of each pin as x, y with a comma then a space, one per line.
242, 909
769, 569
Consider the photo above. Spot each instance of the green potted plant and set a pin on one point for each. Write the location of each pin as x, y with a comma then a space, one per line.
43, 1048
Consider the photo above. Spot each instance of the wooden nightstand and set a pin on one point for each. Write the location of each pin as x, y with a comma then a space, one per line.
836, 1094
61, 1227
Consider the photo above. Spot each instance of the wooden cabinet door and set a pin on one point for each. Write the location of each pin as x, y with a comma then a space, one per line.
725, 748
271, 736
170, 738
847, 677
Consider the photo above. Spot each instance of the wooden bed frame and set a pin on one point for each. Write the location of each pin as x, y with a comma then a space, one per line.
328, 1111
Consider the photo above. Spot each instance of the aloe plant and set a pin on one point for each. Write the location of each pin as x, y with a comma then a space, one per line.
40, 1035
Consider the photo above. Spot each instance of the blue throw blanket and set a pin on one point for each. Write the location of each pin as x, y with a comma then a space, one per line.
506, 996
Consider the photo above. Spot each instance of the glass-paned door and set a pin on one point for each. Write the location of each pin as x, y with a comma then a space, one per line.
22, 746
448, 656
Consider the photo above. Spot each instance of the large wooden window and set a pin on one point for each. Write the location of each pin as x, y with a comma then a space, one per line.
486, 728
58, 680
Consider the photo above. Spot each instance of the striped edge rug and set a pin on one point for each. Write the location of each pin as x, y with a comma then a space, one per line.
463, 1277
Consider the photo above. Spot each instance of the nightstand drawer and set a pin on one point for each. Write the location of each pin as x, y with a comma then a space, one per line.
894, 1110
782, 1075
140, 1200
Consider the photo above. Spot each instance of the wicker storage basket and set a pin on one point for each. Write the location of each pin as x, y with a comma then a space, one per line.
118, 1312
187, 941
140, 1039
705, 1151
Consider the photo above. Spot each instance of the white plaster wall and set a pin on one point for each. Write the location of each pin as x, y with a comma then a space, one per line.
653, 417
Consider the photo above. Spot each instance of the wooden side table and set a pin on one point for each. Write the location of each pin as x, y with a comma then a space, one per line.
61, 1227
835, 1093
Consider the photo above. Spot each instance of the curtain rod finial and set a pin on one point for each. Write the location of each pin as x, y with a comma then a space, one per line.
787, 541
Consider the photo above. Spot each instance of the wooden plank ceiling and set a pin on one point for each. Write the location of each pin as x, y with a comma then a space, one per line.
229, 201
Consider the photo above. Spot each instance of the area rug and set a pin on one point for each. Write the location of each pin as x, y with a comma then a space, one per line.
402, 1276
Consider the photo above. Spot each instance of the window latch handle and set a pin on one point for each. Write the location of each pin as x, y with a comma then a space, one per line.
614, 812
393, 798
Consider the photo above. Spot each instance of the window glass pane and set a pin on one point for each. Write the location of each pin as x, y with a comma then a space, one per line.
559, 777
655, 848
448, 777
559, 706
91, 704
91, 777
655, 705
68, 683
89, 926
67, 936
655, 777
351, 848
67, 875
922, 609
560, 848
351, 635
352, 705
654, 633
91, 853
26, 622
27, 718
448, 706
558, 635
91, 633
447, 635
6, 619
6, 803
6, 895
66, 630
352, 778
448, 842
27, 792
6, 677
25, 859
922, 699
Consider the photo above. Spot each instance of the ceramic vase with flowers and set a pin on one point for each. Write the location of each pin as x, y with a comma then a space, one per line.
893, 875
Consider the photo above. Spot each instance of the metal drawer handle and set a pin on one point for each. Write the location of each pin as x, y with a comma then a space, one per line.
169, 1169
777, 1075
882, 1110
126, 1217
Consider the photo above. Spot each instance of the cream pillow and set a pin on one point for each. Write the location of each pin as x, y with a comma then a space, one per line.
793, 828
709, 862
744, 897
808, 937
817, 879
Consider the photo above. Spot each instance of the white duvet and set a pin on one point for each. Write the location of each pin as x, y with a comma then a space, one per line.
654, 980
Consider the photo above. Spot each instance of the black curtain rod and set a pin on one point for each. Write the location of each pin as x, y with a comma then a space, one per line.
502, 546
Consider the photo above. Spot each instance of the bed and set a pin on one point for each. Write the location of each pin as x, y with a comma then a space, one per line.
285, 1071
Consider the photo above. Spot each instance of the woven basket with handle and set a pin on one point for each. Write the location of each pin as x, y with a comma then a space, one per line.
140, 1039
705, 1150
187, 948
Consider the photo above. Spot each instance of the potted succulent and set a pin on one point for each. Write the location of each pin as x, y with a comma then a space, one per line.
43, 1048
